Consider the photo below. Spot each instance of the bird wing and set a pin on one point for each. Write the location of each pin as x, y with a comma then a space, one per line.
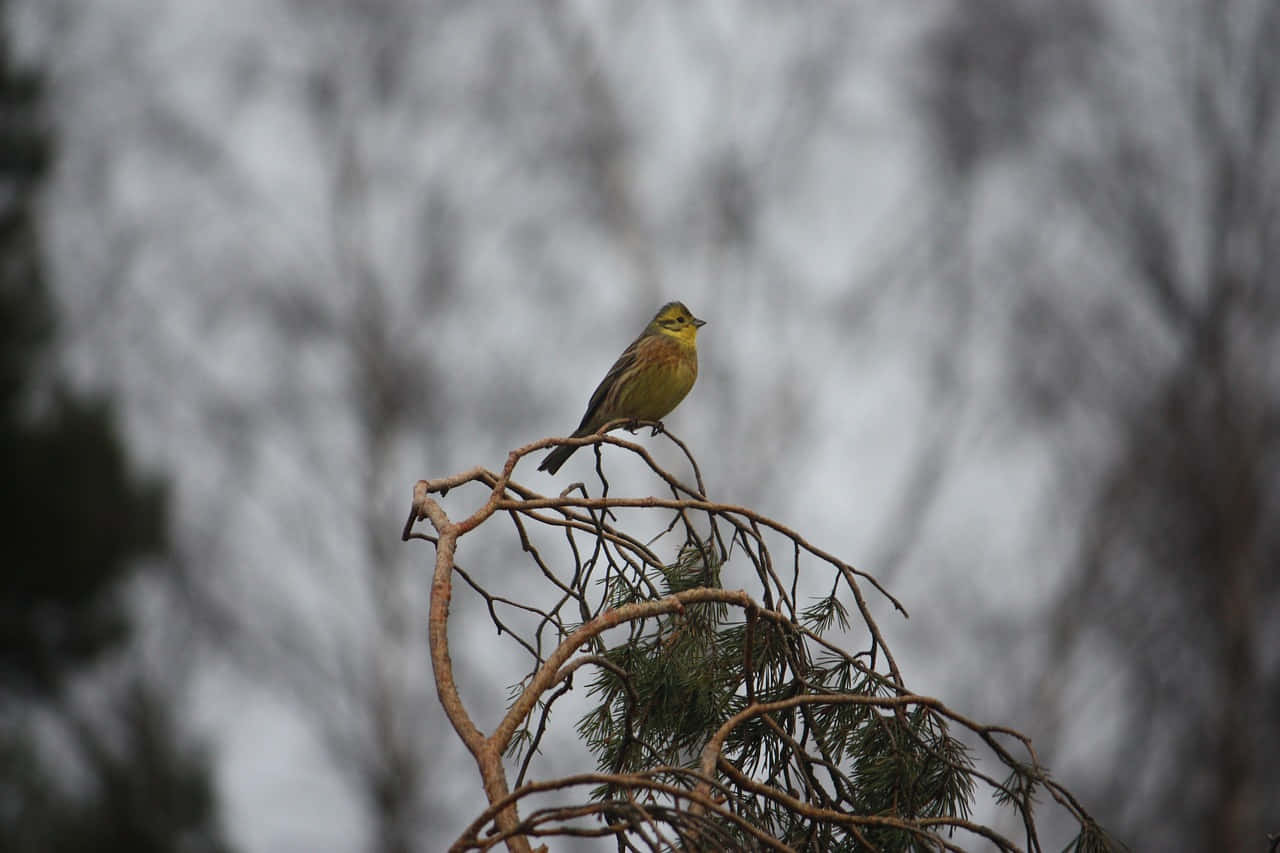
621, 366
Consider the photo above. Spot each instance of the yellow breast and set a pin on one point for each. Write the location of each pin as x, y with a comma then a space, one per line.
665, 371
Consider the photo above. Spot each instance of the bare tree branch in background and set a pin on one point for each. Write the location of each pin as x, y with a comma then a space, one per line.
600, 146
1142, 275
723, 720
332, 632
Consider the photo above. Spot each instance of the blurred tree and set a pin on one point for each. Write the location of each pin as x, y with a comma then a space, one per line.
1136, 147
76, 519
141, 786
61, 608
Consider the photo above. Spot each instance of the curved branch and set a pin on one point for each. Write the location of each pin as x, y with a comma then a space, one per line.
772, 658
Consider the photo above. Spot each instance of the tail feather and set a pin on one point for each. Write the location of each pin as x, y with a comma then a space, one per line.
556, 458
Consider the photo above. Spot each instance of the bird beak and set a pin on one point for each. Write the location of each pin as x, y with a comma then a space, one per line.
698, 323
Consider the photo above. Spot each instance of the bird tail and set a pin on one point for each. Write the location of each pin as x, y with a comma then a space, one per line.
556, 458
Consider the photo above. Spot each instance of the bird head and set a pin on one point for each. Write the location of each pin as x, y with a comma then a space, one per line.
676, 320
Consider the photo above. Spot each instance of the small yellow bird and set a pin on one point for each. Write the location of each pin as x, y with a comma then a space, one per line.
647, 381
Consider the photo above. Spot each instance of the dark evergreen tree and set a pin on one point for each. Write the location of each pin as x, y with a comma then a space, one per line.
75, 519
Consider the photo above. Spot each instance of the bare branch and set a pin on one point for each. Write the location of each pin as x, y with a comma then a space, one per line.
797, 742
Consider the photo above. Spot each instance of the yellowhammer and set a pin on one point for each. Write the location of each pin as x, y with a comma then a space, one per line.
647, 381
